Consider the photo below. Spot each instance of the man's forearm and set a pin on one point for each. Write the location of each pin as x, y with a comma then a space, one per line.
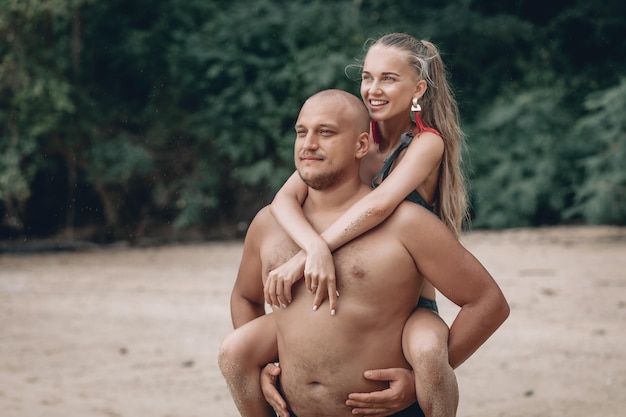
242, 311
473, 326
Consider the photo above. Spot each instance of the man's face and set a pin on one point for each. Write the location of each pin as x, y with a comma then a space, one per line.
325, 142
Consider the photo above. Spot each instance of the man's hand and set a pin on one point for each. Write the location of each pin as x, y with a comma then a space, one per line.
399, 395
269, 381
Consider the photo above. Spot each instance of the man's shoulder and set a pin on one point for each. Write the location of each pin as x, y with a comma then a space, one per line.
410, 222
409, 217
262, 222
409, 211
262, 217
264, 212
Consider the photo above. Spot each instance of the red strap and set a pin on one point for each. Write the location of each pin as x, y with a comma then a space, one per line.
421, 127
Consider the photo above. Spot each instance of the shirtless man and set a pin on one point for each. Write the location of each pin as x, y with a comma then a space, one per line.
379, 275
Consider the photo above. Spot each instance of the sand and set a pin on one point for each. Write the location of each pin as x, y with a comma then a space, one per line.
134, 332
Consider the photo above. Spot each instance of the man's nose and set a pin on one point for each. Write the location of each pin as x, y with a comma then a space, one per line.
310, 141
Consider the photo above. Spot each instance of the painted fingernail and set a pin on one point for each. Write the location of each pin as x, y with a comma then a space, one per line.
332, 312
314, 308
284, 305
337, 292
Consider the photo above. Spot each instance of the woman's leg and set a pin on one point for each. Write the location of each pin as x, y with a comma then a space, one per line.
243, 353
425, 346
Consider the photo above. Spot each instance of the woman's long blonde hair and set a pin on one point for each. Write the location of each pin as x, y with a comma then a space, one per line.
439, 111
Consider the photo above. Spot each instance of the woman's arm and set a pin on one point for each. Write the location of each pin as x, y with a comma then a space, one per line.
420, 159
315, 261
287, 209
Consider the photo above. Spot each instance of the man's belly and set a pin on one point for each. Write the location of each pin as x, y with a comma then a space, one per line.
323, 357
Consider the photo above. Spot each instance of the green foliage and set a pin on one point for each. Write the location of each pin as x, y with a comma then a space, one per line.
516, 153
14, 185
35, 97
177, 111
601, 197
197, 198
117, 161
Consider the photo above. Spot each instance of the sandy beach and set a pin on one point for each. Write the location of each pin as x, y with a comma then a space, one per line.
134, 332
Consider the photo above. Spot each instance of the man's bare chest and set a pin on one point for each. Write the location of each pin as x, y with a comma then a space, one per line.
373, 262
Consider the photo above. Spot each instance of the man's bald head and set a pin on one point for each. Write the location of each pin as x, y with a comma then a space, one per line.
356, 112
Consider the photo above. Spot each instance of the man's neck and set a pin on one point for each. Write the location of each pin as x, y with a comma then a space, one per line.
324, 206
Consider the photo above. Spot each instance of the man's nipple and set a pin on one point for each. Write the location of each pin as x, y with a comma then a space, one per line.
357, 272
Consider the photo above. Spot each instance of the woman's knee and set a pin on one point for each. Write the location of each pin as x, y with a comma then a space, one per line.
425, 336
234, 355
226, 356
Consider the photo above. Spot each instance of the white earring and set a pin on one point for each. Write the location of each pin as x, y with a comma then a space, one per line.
416, 106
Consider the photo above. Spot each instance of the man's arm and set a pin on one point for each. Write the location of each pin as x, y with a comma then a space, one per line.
246, 300
459, 276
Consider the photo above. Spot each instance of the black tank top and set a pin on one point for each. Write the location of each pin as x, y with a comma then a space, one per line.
413, 196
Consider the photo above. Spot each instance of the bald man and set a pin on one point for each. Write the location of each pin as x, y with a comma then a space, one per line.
379, 274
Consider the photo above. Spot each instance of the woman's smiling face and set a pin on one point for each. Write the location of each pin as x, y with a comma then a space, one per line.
388, 82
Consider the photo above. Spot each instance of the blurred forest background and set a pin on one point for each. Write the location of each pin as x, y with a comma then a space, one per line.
173, 119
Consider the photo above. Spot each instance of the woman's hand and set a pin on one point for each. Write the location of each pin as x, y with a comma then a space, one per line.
319, 275
269, 383
318, 270
277, 288
399, 395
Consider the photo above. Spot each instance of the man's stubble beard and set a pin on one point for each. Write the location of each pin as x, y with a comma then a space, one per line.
322, 181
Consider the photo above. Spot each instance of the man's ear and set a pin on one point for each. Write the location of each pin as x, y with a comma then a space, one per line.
362, 145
